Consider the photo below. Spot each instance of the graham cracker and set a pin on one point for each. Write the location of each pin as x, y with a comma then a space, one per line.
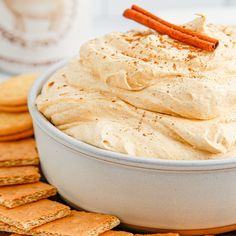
18, 175
165, 234
18, 235
116, 233
34, 214
17, 136
14, 91
14, 109
20, 153
78, 223
108, 233
13, 123
13, 196
11, 229
18, 232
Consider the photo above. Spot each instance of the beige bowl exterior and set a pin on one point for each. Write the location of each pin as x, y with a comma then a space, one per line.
147, 193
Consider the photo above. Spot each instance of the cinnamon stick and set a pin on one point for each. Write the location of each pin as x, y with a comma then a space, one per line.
176, 32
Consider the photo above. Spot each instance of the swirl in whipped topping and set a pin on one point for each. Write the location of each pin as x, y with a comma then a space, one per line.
145, 94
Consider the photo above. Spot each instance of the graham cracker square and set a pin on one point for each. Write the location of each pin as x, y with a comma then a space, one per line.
161, 234
34, 214
11, 229
116, 233
18, 153
17, 195
78, 223
18, 175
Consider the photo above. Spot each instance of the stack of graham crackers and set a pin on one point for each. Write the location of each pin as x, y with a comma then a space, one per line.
24, 207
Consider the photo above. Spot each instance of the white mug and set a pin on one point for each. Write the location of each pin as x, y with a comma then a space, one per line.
35, 34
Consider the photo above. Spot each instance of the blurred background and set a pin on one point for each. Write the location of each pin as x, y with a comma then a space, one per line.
107, 13
35, 34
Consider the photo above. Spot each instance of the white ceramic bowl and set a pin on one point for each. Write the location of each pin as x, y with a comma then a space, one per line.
147, 193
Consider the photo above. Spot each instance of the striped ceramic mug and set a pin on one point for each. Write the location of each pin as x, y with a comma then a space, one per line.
37, 33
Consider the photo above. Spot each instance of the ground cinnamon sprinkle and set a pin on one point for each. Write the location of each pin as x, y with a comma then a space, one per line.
190, 56
51, 84
62, 94
145, 59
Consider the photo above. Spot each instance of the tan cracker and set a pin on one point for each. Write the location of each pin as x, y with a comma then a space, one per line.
11, 229
34, 214
17, 136
14, 91
20, 153
78, 223
14, 109
116, 233
167, 234
12, 123
18, 175
17, 195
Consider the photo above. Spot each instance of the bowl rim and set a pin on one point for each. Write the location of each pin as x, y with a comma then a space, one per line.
110, 156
